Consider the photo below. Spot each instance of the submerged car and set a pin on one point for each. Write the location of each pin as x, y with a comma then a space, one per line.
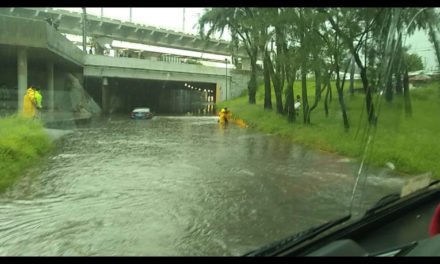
141, 113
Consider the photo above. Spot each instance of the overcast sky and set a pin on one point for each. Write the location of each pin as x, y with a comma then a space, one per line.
172, 18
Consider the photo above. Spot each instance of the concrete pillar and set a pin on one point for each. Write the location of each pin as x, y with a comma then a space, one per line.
22, 76
218, 93
246, 64
50, 87
105, 96
62, 101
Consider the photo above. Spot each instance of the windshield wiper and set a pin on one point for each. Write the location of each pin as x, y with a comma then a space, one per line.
391, 198
384, 201
296, 239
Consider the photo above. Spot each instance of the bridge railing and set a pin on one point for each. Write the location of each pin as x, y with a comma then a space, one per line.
134, 63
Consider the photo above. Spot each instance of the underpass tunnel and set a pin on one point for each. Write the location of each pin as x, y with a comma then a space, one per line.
120, 95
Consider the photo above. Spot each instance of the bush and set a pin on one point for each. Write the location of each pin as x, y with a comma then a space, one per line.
22, 143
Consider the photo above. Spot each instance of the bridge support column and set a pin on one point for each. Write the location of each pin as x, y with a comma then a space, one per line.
50, 87
22, 76
246, 64
218, 93
105, 96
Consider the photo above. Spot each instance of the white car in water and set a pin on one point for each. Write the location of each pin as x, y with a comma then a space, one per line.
141, 113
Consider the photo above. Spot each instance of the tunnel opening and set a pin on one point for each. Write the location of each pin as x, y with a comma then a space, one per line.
121, 96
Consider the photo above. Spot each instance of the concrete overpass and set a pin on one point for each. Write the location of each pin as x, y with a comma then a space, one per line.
29, 41
71, 23
130, 68
25, 42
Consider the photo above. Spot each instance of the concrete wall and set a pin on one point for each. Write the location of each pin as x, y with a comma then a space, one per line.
180, 101
62, 92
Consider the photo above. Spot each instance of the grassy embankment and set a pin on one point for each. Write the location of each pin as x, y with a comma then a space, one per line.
22, 143
411, 144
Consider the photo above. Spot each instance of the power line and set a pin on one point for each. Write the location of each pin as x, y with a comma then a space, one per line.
423, 49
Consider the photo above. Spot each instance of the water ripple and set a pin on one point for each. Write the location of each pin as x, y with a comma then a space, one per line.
174, 186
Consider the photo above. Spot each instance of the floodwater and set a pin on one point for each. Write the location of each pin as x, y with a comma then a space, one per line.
176, 185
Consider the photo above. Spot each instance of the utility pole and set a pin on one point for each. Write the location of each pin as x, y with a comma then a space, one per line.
130, 13
226, 87
84, 20
183, 22
102, 12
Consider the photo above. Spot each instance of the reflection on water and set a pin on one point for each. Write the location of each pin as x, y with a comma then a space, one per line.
175, 186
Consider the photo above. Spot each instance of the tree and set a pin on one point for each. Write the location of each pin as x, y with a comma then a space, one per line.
337, 53
303, 15
274, 58
317, 49
349, 32
434, 40
414, 62
261, 24
243, 31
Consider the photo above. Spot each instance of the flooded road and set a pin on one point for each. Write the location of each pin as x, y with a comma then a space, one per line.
175, 186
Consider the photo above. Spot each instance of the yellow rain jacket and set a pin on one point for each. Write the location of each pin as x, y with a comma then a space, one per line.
222, 116
29, 103
38, 99
229, 115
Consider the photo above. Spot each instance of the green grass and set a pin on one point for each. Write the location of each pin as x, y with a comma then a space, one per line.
22, 143
410, 143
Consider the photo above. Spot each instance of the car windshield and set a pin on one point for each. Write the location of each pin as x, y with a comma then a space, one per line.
141, 110
260, 123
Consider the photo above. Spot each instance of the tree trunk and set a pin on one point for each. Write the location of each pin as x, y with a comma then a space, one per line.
305, 103
398, 71
343, 109
331, 91
398, 77
280, 42
436, 44
290, 103
279, 98
317, 90
252, 86
290, 74
277, 85
327, 95
352, 69
267, 88
389, 89
406, 95
367, 89
339, 89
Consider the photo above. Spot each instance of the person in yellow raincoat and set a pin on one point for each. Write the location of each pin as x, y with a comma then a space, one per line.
38, 100
222, 117
29, 103
228, 115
